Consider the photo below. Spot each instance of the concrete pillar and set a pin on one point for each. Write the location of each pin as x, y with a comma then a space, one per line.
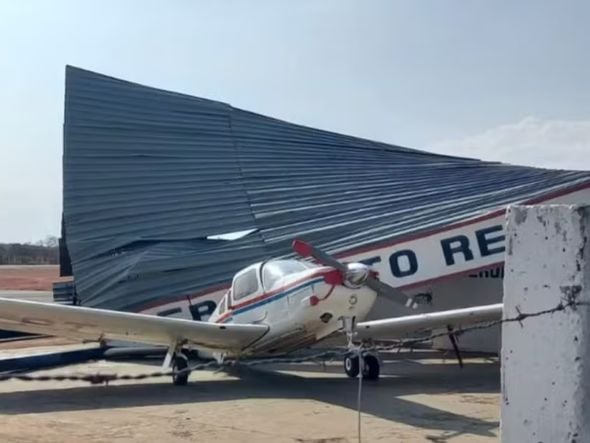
546, 360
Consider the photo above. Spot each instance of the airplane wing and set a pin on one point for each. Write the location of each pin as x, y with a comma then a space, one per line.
99, 324
405, 326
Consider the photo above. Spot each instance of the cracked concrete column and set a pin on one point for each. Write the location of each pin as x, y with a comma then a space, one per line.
546, 360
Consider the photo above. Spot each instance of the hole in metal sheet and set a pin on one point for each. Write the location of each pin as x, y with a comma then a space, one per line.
231, 235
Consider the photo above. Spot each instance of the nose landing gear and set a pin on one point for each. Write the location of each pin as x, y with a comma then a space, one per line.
352, 367
370, 366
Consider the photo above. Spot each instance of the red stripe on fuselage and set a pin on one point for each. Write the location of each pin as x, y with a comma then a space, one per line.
224, 317
269, 294
276, 291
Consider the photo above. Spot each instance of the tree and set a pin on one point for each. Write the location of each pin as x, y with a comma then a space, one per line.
51, 241
40, 253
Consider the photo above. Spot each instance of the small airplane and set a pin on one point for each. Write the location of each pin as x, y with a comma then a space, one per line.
272, 308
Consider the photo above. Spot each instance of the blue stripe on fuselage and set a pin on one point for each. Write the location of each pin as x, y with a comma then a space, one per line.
276, 296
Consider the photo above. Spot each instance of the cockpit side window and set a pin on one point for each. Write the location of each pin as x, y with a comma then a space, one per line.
245, 284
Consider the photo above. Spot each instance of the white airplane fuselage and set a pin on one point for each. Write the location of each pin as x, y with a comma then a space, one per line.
300, 308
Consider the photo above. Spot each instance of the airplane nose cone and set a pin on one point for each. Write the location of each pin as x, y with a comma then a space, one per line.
356, 275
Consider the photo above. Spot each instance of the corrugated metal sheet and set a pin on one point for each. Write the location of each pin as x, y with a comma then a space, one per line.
150, 174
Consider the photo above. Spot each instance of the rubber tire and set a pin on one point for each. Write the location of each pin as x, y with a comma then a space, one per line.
370, 367
180, 363
351, 365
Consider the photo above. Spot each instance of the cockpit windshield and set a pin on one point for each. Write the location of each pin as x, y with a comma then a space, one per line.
275, 269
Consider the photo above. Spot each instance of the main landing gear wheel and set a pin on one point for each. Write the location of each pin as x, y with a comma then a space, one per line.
180, 363
370, 366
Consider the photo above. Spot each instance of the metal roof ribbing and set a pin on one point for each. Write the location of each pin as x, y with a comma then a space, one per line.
150, 174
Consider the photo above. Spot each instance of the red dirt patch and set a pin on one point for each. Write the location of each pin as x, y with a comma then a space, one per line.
30, 278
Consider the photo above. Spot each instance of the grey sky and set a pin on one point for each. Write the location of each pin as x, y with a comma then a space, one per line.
498, 80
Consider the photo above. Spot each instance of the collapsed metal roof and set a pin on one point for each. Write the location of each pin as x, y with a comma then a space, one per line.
149, 175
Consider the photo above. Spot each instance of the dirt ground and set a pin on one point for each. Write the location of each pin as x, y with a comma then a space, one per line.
30, 278
420, 398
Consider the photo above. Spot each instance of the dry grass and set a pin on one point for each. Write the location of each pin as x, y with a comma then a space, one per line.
29, 278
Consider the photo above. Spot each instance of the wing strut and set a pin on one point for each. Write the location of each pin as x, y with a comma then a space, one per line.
455, 344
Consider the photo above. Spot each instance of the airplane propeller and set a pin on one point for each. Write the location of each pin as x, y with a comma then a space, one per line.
306, 250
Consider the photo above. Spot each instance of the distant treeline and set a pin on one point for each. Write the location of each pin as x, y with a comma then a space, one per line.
42, 253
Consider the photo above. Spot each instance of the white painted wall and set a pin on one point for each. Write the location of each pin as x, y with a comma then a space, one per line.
482, 288
546, 361
476, 288
431, 264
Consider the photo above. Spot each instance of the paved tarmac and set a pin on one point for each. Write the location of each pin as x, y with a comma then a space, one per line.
42, 296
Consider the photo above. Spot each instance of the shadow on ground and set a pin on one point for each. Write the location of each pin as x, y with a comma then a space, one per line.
401, 377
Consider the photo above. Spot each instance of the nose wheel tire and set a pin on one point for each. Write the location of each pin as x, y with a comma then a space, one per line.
370, 366
351, 365
180, 363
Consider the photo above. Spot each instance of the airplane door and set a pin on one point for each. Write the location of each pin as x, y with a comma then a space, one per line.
246, 289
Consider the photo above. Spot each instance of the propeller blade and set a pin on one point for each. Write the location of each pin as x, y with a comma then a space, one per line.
304, 249
390, 292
